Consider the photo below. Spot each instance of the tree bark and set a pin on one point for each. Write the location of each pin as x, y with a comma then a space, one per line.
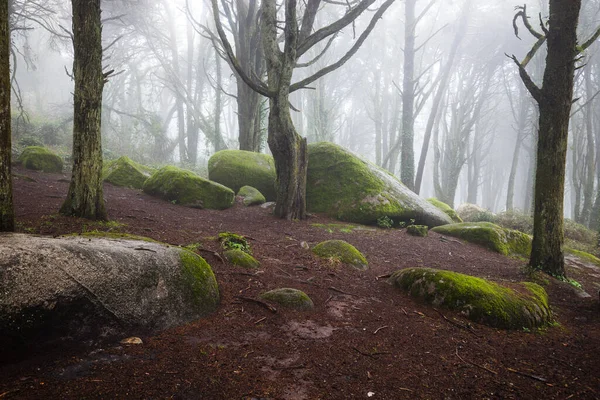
85, 198
407, 155
7, 215
554, 101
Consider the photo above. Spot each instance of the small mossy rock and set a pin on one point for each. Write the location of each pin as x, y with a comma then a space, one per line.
82, 288
583, 256
348, 188
125, 172
417, 230
184, 187
445, 208
251, 196
289, 298
41, 159
237, 168
480, 300
473, 213
241, 259
343, 251
494, 237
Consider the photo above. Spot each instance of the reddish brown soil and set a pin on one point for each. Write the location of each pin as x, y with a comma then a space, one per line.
363, 335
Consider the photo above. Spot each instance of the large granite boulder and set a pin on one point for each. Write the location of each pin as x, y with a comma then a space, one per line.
237, 168
480, 300
181, 186
348, 188
494, 237
40, 159
74, 288
125, 172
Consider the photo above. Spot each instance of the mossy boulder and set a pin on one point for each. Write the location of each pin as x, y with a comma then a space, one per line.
583, 256
342, 251
417, 230
494, 237
445, 208
473, 213
348, 188
125, 172
251, 196
41, 159
82, 288
181, 186
241, 259
480, 300
289, 298
237, 168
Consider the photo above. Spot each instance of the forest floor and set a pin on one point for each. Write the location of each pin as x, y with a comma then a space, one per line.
364, 339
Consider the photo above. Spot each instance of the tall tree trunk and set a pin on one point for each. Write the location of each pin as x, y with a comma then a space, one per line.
555, 106
523, 111
219, 142
7, 214
291, 160
191, 126
85, 198
407, 156
590, 160
460, 33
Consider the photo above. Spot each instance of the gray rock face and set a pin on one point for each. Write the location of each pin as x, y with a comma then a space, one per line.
84, 288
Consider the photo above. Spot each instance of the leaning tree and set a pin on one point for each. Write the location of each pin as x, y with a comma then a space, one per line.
85, 197
297, 37
554, 99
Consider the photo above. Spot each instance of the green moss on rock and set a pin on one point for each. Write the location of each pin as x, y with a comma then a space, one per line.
480, 300
241, 259
586, 257
125, 172
251, 196
41, 159
289, 298
417, 230
446, 209
184, 187
494, 237
237, 168
343, 251
113, 235
473, 213
348, 188
200, 280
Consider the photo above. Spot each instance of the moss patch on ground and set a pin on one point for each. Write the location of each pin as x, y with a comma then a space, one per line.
41, 159
289, 298
348, 188
480, 300
343, 228
233, 241
125, 172
417, 230
199, 279
492, 236
237, 168
184, 187
342, 251
241, 259
251, 196
446, 209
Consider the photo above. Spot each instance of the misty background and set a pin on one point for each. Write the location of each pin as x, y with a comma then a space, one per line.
172, 85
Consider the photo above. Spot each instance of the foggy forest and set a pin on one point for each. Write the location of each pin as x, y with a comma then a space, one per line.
471, 131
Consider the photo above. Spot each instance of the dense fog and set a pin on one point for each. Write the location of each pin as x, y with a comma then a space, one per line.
173, 97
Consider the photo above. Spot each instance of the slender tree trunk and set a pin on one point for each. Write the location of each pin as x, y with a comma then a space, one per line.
590, 160
219, 142
440, 94
407, 157
523, 111
7, 214
192, 129
85, 198
555, 106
